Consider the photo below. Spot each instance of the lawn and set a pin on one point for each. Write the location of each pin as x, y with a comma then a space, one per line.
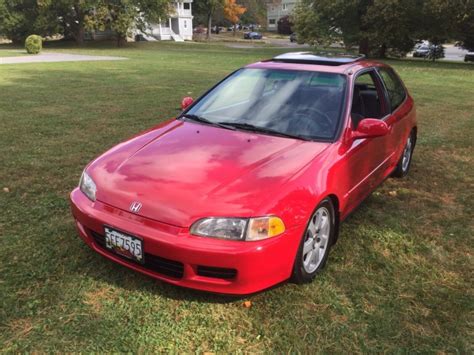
398, 280
12, 53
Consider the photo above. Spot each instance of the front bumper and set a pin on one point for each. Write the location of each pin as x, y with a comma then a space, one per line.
179, 258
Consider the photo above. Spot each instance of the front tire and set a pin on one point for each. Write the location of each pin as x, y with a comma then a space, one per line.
314, 247
403, 166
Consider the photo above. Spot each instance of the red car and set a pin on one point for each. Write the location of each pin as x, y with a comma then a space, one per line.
248, 186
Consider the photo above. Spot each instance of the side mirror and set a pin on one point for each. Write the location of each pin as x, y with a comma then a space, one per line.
370, 128
186, 102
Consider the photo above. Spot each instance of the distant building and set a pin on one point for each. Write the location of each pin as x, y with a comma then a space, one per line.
276, 11
179, 26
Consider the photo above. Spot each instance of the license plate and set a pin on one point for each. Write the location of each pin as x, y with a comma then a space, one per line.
124, 244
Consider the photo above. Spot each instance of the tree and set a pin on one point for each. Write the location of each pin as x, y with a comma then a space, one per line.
233, 12
375, 26
284, 25
323, 22
462, 20
74, 17
121, 15
206, 9
437, 19
256, 12
20, 18
392, 27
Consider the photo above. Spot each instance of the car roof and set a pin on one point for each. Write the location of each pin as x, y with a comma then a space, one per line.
322, 62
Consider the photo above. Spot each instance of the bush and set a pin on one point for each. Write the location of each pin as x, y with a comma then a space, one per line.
34, 44
284, 26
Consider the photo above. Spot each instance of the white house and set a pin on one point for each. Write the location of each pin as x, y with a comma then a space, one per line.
179, 26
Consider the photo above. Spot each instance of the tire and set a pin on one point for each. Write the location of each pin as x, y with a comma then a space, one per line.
315, 243
403, 165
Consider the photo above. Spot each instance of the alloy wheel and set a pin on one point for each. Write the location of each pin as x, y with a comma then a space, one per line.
316, 239
407, 154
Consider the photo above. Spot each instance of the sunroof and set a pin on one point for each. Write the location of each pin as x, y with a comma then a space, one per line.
317, 58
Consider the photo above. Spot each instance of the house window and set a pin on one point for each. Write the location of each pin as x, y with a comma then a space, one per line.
272, 21
284, 7
187, 6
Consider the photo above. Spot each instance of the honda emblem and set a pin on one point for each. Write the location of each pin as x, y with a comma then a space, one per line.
135, 207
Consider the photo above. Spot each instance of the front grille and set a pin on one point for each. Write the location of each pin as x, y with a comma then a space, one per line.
216, 272
154, 263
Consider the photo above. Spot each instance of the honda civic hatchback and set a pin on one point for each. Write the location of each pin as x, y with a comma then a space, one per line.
247, 187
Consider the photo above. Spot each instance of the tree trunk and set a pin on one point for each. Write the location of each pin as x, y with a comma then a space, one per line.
383, 51
235, 29
364, 46
209, 24
79, 34
121, 40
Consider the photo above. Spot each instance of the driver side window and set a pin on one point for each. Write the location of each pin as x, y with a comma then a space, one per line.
366, 101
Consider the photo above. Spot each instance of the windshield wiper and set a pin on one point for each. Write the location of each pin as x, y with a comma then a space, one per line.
201, 119
252, 128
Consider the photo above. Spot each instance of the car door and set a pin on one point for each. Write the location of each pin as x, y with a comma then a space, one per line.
399, 109
366, 159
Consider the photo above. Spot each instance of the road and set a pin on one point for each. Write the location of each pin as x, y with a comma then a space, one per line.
454, 53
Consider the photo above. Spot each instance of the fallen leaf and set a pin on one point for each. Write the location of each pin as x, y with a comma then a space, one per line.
6, 189
247, 304
392, 193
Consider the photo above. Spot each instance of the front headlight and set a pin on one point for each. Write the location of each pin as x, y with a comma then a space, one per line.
250, 229
87, 186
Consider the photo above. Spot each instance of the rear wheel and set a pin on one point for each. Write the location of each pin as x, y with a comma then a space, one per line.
404, 163
315, 243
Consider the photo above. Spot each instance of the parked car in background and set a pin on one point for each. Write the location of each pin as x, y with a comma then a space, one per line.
436, 52
421, 43
469, 57
422, 51
247, 188
429, 51
293, 37
200, 29
252, 35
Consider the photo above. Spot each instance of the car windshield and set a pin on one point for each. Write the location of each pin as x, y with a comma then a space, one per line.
303, 104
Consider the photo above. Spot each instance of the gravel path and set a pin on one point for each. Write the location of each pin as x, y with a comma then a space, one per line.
55, 57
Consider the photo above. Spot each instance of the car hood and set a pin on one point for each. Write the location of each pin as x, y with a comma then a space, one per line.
184, 171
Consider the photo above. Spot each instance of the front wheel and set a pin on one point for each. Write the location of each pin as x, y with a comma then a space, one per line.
404, 163
315, 243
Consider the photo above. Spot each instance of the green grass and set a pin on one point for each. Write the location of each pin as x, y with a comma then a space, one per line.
12, 53
398, 280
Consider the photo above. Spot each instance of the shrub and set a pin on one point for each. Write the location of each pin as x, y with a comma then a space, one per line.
34, 44
284, 25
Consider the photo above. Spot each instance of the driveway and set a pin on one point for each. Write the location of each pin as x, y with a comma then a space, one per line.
284, 43
55, 57
454, 53
274, 42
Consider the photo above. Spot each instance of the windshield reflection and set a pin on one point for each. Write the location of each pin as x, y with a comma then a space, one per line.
303, 104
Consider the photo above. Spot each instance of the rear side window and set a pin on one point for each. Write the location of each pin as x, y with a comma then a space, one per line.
395, 89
